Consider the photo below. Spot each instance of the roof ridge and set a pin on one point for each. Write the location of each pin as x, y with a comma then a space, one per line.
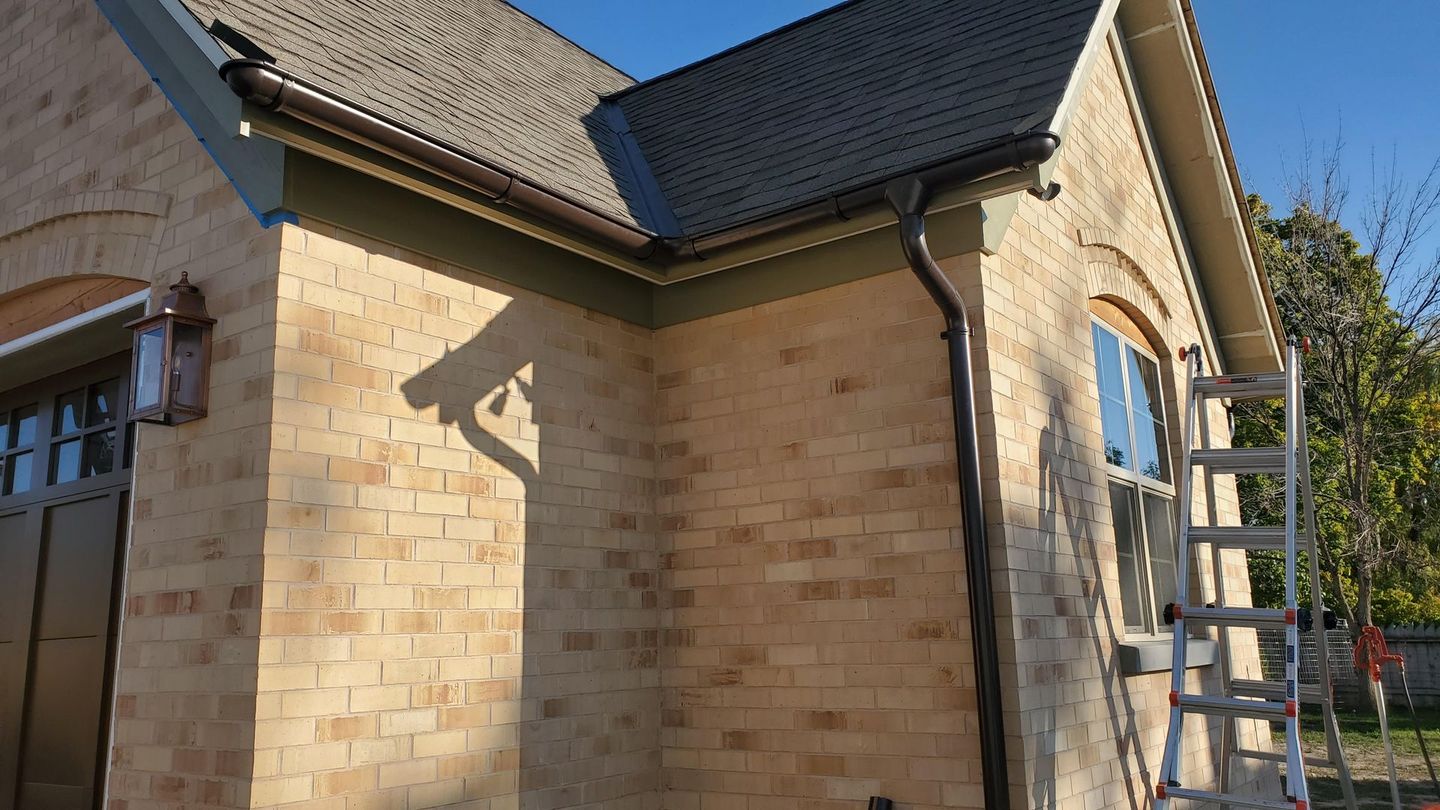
755, 40
577, 46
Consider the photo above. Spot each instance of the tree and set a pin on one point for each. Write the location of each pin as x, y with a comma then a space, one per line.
1372, 391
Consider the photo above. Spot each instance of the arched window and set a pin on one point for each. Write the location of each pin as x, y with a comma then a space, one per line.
1137, 460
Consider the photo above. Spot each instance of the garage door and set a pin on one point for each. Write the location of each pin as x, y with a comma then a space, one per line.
64, 495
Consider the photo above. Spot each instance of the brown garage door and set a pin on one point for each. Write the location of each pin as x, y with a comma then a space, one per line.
64, 495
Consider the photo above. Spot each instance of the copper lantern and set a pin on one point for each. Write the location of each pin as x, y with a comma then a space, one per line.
170, 364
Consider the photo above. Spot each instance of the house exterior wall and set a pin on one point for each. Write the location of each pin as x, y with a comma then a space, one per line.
1090, 734
815, 625
459, 600
100, 177
443, 541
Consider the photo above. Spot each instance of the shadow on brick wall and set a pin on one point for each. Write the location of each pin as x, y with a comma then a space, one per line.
1066, 520
574, 723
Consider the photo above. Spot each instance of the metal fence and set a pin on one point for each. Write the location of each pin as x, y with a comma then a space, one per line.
1419, 644
1337, 642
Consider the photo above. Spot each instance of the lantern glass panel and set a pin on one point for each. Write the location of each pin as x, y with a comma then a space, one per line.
149, 367
189, 366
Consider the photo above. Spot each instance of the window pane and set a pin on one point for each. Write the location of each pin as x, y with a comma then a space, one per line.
1160, 532
1144, 385
1114, 422
22, 426
1152, 454
103, 403
17, 474
1124, 517
99, 453
1117, 433
150, 368
68, 412
4, 431
65, 462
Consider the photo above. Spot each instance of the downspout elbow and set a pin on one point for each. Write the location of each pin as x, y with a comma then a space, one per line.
910, 197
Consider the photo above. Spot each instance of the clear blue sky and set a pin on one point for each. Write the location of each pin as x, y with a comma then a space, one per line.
1283, 68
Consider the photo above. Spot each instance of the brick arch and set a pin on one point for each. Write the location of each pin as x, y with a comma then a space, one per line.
1115, 249
1115, 283
113, 233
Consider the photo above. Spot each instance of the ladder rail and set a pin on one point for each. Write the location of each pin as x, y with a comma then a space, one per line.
1295, 759
1334, 750
1169, 760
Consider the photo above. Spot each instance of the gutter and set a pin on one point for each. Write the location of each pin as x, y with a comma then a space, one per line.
910, 197
261, 83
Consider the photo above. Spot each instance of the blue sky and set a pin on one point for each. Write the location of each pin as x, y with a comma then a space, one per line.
1283, 69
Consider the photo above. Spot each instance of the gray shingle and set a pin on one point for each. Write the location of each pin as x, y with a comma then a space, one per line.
479, 74
946, 75
857, 93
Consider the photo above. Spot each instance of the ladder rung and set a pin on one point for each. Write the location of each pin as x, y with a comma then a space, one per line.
1241, 459
1228, 799
1247, 537
1279, 756
1273, 690
1233, 707
1235, 616
1243, 386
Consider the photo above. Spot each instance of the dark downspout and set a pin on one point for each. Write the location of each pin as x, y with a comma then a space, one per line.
909, 197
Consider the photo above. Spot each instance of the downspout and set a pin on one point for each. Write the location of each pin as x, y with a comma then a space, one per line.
909, 196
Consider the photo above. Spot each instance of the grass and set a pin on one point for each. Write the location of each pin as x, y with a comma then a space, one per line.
1365, 751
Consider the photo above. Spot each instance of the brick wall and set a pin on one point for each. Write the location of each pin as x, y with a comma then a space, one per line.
1090, 736
98, 176
460, 593
816, 633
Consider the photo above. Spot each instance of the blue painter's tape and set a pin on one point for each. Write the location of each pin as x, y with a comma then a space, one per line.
266, 219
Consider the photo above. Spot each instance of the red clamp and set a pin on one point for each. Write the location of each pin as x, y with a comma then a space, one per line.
1174, 698
1371, 652
1289, 615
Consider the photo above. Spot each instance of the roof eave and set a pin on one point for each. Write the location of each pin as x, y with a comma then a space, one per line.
278, 91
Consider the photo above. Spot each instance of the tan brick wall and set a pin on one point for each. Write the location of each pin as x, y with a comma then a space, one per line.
460, 590
1089, 735
817, 641
99, 176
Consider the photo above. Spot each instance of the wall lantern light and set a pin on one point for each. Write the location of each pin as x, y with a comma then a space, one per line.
170, 364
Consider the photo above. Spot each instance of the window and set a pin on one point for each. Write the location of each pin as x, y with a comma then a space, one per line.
65, 434
1142, 493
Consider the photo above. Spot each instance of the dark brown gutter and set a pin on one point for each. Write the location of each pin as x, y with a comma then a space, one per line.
265, 85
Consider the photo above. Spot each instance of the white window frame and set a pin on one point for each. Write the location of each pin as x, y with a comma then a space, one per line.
1140, 483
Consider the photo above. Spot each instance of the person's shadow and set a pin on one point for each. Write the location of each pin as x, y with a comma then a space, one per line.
572, 724
1071, 537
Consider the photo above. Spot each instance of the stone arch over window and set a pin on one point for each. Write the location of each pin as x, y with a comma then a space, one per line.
113, 233
1112, 270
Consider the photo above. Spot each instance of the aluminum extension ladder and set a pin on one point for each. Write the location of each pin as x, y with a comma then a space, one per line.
1244, 698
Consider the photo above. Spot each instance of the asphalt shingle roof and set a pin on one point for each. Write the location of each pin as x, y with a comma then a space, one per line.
478, 74
857, 93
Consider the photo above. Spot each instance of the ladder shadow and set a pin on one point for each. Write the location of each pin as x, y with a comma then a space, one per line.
1063, 515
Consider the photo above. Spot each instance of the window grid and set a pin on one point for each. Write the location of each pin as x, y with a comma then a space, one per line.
1145, 493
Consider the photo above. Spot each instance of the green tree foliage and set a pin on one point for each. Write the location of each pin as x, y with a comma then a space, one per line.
1372, 398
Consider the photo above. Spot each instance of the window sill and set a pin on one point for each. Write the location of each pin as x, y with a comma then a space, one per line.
1139, 656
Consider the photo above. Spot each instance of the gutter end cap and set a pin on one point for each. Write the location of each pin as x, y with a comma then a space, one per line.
253, 80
